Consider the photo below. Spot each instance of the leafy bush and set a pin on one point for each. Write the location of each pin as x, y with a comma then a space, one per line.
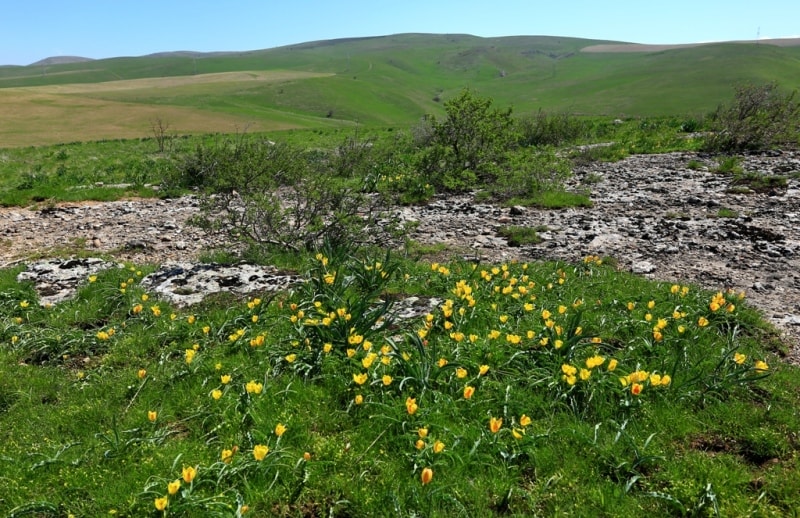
469, 145
235, 164
268, 196
352, 158
529, 173
544, 129
760, 117
691, 125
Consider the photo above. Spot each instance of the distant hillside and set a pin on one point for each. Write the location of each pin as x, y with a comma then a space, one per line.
60, 60
639, 47
383, 80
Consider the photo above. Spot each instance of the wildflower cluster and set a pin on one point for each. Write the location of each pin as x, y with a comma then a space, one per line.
450, 383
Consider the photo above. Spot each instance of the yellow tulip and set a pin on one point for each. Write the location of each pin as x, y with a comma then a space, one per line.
226, 456
174, 486
254, 387
260, 451
188, 473
426, 476
468, 391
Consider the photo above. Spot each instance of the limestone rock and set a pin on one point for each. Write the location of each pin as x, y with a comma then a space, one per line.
56, 280
185, 284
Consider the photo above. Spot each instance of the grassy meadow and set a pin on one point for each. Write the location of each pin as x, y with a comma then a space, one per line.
382, 81
514, 389
524, 389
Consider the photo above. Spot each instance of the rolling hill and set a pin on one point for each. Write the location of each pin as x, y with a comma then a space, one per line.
384, 80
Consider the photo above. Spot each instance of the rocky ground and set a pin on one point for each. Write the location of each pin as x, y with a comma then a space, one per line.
652, 213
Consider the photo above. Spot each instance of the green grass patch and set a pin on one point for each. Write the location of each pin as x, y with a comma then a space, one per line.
554, 200
727, 213
729, 164
519, 236
694, 165
662, 397
758, 182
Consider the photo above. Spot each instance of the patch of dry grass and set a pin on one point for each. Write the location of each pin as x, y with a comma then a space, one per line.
55, 114
269, 76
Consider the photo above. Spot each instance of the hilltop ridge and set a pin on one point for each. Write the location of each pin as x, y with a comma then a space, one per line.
391, 80
591, 46
60, 60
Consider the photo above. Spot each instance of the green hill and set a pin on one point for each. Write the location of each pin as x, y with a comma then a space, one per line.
396, 79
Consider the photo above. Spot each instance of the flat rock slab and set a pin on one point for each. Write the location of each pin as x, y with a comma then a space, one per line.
182, 284
185, 284
56, 280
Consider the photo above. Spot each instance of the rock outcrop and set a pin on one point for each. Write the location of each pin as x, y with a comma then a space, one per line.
654, 214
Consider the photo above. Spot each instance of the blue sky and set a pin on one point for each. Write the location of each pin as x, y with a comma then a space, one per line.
31, 30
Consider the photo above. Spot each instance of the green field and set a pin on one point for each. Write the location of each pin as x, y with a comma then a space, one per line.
519, 389
383, 81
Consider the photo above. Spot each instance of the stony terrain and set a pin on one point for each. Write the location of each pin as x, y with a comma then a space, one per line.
651, 213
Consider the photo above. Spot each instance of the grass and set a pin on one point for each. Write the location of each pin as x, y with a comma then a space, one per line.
522, 389
724, 212
729, 164
373, 81
519, 236
109, 398
757, 182
694, 165
554, 200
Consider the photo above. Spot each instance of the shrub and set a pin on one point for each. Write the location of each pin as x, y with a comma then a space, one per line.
760, 117
529, 173
352, 158
469, 145
268, 196
544, 129
237, 164
691, 125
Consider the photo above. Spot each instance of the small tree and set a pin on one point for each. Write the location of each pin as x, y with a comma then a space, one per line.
271, 197
469, 144
760, 117
160, 129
